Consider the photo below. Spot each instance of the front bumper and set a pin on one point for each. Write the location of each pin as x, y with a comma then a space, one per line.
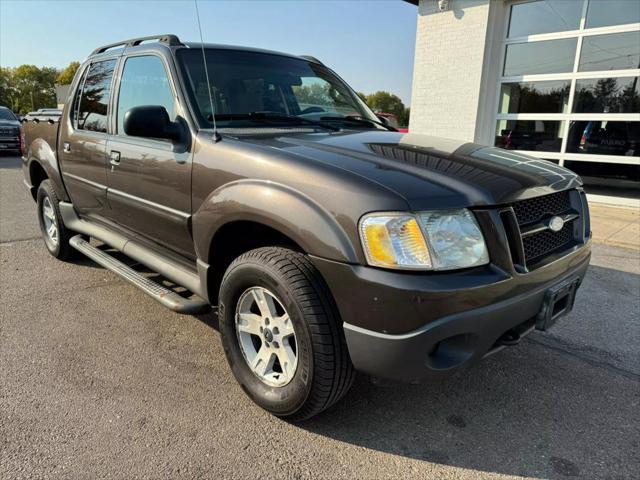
10, 144
413, 327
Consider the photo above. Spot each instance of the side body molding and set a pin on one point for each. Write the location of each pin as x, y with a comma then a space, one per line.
41, 152
277, 206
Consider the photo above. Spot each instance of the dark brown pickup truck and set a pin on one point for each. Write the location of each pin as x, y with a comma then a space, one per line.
328, 242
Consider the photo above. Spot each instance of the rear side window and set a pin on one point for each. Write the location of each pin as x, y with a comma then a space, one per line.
94, 100
144, 82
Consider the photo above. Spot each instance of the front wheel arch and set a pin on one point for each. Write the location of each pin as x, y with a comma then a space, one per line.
279, 207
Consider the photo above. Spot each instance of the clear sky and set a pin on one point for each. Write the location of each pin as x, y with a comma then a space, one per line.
370, 43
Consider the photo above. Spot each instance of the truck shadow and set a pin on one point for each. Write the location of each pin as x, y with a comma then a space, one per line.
517, 414
544, 409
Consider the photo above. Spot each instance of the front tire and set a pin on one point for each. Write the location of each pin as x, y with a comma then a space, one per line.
54, 232
282, 334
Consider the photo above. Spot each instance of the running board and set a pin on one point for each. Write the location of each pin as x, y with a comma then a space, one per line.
166, 297
195, 282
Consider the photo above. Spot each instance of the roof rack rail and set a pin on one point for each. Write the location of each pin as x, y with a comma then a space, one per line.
168, 38
311, 59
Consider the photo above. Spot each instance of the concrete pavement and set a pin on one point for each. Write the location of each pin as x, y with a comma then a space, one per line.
99, 381
616, 226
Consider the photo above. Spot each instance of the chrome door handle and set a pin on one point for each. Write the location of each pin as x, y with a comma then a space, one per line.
66, 147
114, 158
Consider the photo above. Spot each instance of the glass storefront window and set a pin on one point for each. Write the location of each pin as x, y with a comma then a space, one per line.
536, 135
551, 56
617, 51
616, 172
607, 95
603, 137
535, 97
604, 13
579, 99
544, 16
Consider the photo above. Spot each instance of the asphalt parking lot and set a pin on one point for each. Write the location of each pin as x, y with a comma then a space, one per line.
99, 381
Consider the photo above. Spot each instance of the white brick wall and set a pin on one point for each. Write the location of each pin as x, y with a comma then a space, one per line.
450, 48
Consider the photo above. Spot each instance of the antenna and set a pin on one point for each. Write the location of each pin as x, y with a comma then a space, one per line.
216, 137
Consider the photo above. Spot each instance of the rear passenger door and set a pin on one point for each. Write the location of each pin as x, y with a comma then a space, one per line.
149, 179
83, 138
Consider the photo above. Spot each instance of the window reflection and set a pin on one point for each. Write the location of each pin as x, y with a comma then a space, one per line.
92, 113
544, 16
619, 173
602, 13
144, 82
607, 95
536, 135
551, 56
604, 138
535, 97
618, 51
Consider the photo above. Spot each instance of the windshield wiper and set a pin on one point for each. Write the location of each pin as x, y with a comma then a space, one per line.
274, 116
359, 120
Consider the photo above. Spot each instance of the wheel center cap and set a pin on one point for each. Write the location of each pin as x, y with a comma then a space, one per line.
268, 336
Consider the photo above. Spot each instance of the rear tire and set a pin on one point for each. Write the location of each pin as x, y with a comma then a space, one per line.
323, 372
54, 232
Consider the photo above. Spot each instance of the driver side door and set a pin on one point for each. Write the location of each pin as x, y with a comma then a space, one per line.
149, 179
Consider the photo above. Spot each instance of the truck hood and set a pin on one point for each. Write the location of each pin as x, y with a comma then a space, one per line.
428, 171
9, 123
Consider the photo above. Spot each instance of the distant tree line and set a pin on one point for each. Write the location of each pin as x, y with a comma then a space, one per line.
28, 87
386, 102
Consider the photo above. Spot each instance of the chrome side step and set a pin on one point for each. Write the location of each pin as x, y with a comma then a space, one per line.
166, 297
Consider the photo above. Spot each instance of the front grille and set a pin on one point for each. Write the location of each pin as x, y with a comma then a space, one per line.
8, 132
539, 245
538, 208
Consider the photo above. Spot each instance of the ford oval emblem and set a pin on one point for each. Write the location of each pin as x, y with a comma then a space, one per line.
556, 224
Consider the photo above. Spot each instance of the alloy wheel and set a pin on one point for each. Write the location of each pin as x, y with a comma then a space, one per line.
50, 221
266, 336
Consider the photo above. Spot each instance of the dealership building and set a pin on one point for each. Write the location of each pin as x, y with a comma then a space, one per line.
557, 79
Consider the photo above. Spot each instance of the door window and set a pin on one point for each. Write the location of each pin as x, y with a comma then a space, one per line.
94, 101
144, 82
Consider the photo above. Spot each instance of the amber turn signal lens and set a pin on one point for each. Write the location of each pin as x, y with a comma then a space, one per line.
394, 241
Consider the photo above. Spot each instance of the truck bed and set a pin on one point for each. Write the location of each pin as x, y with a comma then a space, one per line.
41, 125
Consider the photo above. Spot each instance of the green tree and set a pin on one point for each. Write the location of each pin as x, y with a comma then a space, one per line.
362, 96
27, 87
8, 92
403, 120
65, 77
386, 102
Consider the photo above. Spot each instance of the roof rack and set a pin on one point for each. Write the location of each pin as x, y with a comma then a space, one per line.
169, 39
311, 59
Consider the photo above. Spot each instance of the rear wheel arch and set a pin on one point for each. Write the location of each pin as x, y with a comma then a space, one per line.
42, 156
37, 174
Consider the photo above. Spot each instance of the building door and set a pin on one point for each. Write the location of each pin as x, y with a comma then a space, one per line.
569, 89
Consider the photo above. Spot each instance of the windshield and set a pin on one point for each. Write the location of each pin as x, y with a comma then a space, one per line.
244, 83
6, 114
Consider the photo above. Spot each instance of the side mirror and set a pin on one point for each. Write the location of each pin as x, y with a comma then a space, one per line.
384, 120
150, 121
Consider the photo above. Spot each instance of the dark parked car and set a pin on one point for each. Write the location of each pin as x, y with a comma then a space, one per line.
328, 242
9, 131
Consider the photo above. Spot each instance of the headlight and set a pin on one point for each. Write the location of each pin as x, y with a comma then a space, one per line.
436, 240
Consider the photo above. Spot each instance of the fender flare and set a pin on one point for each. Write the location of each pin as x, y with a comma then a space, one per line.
41, 153
276, 206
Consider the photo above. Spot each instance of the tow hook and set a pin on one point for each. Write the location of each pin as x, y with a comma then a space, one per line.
509, 338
